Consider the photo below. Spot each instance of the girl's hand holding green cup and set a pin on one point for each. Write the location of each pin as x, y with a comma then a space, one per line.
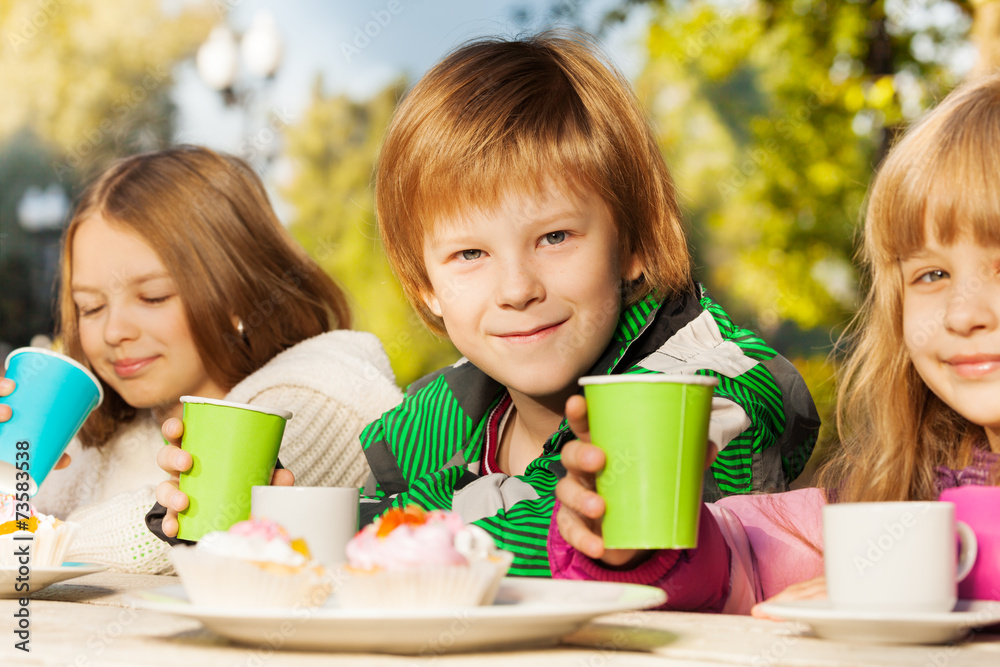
174, 460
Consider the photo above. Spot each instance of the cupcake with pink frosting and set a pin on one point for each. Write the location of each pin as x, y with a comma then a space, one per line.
51, 538
411, 558
255, 563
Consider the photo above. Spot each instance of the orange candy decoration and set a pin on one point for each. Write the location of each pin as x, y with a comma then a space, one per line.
411, 515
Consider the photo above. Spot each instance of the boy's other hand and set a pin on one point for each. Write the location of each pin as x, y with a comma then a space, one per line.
582, 508
174, 460
6, 389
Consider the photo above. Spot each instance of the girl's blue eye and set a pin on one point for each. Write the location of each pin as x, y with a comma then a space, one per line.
555, 238
932, 276
471, 254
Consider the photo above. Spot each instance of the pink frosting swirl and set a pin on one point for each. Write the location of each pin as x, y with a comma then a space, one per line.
8, 508
263, 529
409, 546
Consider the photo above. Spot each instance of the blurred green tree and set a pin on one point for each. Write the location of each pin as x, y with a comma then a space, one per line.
93, 78
773, 115
84, 83
333, 152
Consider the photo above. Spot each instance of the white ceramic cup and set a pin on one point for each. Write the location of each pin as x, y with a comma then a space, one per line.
326, 517
895, 557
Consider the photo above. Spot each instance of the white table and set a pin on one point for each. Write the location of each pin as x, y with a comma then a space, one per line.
88, 621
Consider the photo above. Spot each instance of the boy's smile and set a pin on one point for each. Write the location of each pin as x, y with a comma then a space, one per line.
530, 292
951, 324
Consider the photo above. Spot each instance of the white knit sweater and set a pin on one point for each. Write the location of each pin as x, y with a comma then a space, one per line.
334, 384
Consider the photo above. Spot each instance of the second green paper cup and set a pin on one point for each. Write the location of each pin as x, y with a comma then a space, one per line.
653, 429
234, 447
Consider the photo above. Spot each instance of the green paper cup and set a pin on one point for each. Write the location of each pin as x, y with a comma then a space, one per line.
653, 430
234, 447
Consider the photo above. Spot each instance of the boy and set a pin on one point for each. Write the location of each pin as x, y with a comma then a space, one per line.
529, 216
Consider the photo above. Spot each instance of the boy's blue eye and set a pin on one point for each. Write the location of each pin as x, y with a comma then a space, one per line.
555, 238
471, 254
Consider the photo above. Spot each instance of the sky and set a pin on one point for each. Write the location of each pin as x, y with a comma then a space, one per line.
359, 47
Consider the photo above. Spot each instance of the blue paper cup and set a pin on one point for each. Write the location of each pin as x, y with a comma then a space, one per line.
53, 397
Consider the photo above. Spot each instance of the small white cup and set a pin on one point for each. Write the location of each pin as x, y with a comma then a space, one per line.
895, 557
326, 517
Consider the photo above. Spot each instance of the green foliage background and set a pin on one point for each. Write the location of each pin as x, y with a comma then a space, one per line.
772, 115
333, 149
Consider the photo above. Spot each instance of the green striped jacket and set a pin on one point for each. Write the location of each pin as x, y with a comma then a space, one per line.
428, 449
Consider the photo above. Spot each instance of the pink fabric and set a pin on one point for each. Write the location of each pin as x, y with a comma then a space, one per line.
785, 531
693, 579
749, 546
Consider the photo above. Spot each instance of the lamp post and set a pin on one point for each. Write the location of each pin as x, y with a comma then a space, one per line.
259, 51
41, 212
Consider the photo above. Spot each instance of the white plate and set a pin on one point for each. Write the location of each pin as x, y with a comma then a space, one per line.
527, 612
40, 577
884, 628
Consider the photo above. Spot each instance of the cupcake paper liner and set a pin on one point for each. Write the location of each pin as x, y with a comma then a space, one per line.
213, 580
48, 549
428, 587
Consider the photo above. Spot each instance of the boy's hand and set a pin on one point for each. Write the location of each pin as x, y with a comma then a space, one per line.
581, 509
174, 460
579, 518
7, 387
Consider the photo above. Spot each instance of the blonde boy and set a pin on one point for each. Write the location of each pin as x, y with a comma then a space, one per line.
529, 215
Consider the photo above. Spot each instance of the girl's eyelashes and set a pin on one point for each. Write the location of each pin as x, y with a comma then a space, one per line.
155, 299
90, 310
931, 276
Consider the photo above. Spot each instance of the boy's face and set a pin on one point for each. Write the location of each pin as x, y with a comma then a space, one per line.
530, 292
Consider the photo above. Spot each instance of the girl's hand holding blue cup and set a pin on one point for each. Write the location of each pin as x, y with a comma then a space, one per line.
6, 388
47, 397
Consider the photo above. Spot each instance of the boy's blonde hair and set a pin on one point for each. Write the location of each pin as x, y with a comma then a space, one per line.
497, 117
942, 176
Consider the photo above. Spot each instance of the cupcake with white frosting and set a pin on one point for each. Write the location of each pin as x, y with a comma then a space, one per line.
253, 564
410, 558
50, 537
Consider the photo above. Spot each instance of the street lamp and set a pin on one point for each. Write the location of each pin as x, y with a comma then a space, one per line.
260, 48
259, 51
43, 210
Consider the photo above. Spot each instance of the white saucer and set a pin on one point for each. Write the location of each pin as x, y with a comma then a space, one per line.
884, 628
529, 612
40, 577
